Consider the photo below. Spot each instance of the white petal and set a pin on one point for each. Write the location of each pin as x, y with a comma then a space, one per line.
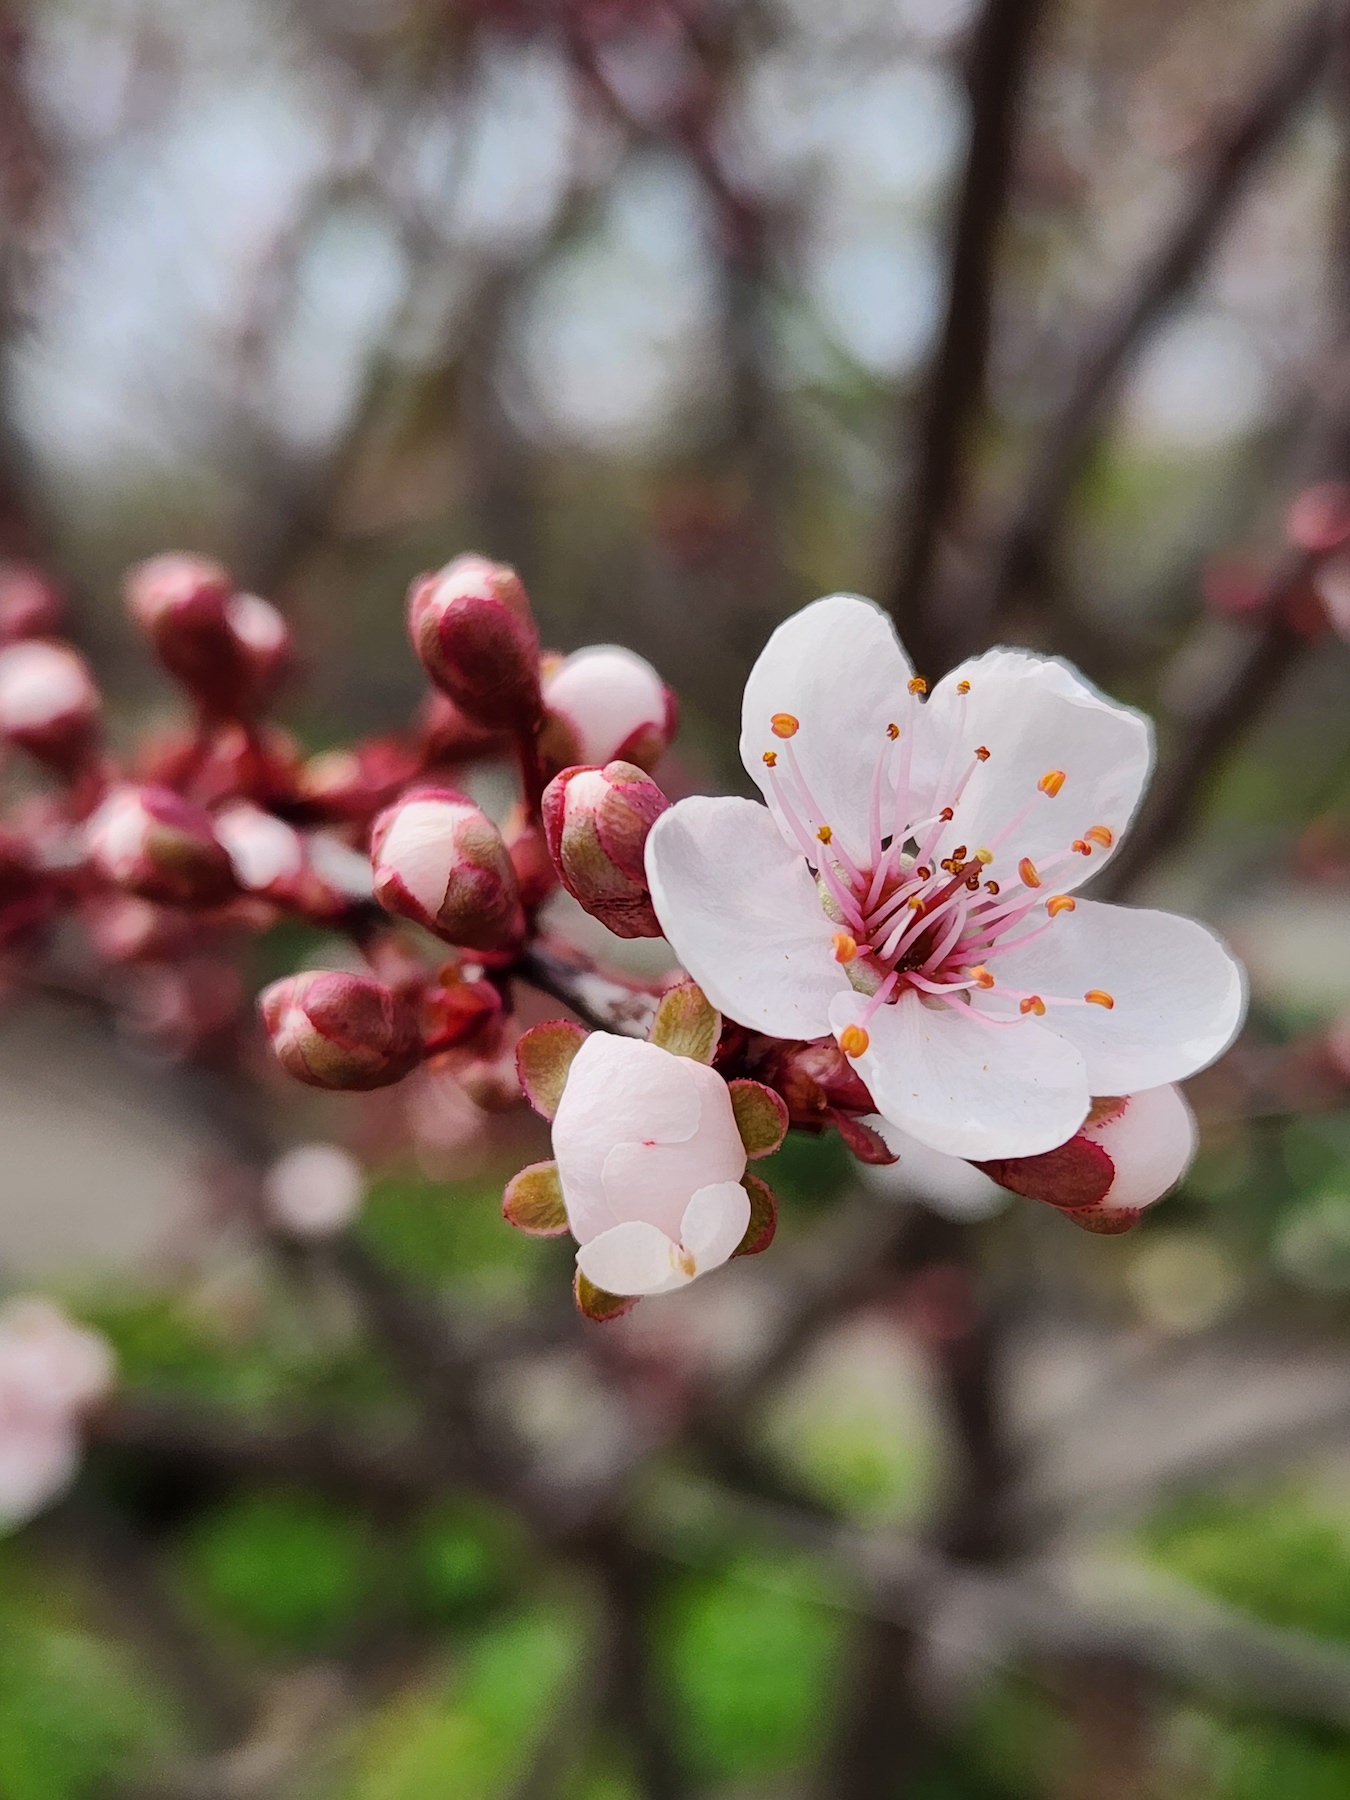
1151, 1140
1033, 715
632, 1259
743, 915
606, 693
653, 1181
1179, 995
838, 668
39, 1455
714, 1223
946, 1184
618, 1090
966, 1088
419, 845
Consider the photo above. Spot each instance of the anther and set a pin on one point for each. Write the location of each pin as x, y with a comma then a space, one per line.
916, 903
1058, 903
981, 976
917, 685
991, 887
784, 725
687, 1264
946, 815
1051, 782
923, 872
983, 752
1099, 997
1082, 848
825, 834
1100, 834
770, 759
1032, 1004
853, 1040
1027, 870
959, 854
963, 687
973, 883
892, 731
845, 947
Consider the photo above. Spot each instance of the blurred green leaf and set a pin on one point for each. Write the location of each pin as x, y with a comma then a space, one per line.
461, 1560
451, 1234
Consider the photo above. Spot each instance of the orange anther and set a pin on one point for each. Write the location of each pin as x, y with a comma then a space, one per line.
959, 854
991, 887
923, 872
917, 685
963, 687
825, 834
916, 903
981, 976
1027, 870
845, 947
983, 752
946, 815
1100, 834
1099, 997
1082, 848
1058, 903
785, 725
1032, 1004
1051, 782
892, 731
853, 1040
770, 759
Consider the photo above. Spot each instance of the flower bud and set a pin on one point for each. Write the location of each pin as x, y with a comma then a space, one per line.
336, 1030
314, 1191
528, 849
603, 704
30, 604
352, 785
445, 735
475, 636
228, 649
49, 705
150, 841
440, 861
596, 822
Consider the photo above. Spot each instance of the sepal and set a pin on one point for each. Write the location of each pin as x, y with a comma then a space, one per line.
864, 1140
1073, 1177
594, 1303
544, 1055
686, 1023
533, 1201
761, 1117
759, 1233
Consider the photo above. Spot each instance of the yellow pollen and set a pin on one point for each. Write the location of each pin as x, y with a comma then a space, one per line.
1100, 834
1082, 848
845, 947
946, 815
687, 1263
917, 685
983, 752
784, 725
916, 904
1099, 997
853, 1040
825, 834
1051, 782
1058, 903
963, 687
981, 976
984, 856
1027, 870
1032, 1004
892, 731
991, 887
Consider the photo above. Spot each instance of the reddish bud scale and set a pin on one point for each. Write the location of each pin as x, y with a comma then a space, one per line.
151, 842
473, 632
334, 1030
440, 861
596, 822
229, 650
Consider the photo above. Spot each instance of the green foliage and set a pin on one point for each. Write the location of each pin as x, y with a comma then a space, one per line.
460, 1560
1215, 1758
450, 1234
287, 1571
1279, 1559
808, 1172
751, 1654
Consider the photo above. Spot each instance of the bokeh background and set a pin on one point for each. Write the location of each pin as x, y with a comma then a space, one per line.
1031, 320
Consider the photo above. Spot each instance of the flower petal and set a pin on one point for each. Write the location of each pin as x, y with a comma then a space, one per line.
947, 1185
838, 668
1151, 1140
1036, 717
1179, 995
714, 1223
742, 913
632, 1258
654, 1181
969, 1089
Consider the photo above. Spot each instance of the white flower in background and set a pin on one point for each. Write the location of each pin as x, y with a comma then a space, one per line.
50, 1371
650, 1161
607, 704
910, 888
314, 1190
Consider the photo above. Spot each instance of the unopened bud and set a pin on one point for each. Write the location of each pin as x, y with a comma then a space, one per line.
440, 861
475, 636
30, 603
352, 785
314, 1191
228, 649
49, 705
447, 735
335, 1030
606, 704
596, 822
150, 841
527, 847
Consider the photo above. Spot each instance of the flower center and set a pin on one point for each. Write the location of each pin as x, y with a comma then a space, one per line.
908, 920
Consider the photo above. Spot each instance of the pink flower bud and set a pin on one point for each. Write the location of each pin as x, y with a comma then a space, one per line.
475, 636
30, 604
1319, 518
228, 649
352, 785
440, 861
335, 1030
150, 841
314, 1191
49, 705
605, 703
596, 822
447, 736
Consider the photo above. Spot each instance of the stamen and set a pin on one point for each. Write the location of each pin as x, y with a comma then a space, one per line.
981, 976
991, 887
686, 1262
1027, 870
892, 731
973, 883
825, 834
853, 1040
1100, 834
845, 947
770, 759
923, 872
1051, 782
1099, 997
917, 685
963, 687
1032, 1004
785, 725
1082, 848
1059, 903
983, 752
946, 815
960, 853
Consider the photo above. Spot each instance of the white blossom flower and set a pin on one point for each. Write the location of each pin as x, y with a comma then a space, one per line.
314, 1190
910, 888
611, 705
650, 1162
50, 1371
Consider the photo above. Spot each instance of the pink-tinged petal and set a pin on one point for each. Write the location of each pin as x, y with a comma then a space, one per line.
967, 1088
633, 1259
715, 1221
39, 1456
742, 913
653, 1181
1151, 1139
1178, 994
1037, 718
617, 1090
838, 669
945, 1184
